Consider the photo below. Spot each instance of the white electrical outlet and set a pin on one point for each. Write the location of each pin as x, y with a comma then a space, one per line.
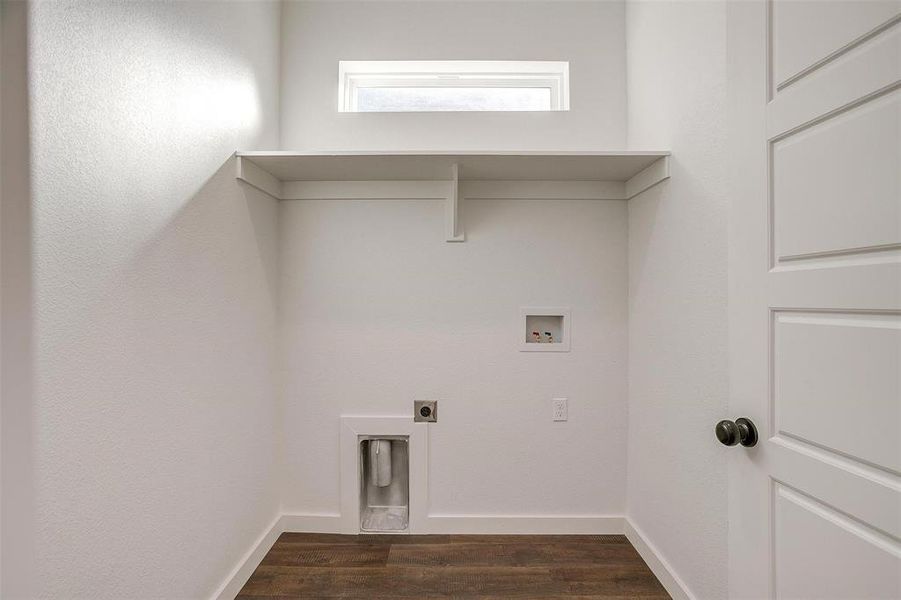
560, 411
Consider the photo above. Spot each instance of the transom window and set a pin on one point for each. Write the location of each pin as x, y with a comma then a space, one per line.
452, 85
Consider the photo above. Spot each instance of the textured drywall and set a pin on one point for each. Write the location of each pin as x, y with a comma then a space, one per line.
153, 413
678, 346
378, 310
316, 35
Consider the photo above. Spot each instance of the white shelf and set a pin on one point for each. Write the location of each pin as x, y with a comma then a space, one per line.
474, 166
453, 176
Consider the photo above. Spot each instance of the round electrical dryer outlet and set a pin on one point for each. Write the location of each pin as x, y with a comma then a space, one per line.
425, 411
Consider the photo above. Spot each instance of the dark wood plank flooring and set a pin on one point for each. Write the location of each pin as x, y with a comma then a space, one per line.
483, 567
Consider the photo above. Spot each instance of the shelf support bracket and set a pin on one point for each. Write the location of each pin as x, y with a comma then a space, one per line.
452, 218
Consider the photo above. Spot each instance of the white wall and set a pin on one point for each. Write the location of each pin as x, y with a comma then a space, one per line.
678, 249
316, 35
152, 414
378, 310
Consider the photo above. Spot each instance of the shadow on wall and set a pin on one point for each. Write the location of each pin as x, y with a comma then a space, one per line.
218, 231
17, 426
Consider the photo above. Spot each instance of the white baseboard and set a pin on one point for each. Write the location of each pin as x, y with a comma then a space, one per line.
249, 562
524, 524
313, 523
471, 524
658, 565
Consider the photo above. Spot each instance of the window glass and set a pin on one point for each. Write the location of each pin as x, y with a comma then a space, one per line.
452, 85
410, 99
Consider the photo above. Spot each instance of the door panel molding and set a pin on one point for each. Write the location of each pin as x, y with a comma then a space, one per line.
870, 69
824, 171
835, 383
871, 20
845, 542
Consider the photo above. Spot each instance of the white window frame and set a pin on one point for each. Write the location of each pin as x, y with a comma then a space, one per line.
356, 74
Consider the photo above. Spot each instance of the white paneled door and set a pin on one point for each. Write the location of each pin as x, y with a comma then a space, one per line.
815, 298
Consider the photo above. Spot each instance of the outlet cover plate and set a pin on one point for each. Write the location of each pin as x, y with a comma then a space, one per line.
560, 409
